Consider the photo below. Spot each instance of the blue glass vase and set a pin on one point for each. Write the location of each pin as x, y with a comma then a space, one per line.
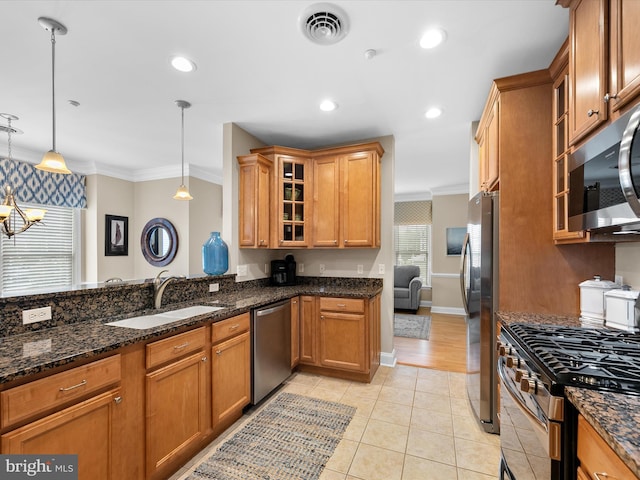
215, 255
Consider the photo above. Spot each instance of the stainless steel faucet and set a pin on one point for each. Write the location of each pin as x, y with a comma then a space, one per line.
159, 284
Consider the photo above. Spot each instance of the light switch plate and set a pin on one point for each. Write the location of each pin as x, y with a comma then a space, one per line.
381, 268
36, 315
360, 268
301, 268
322, 268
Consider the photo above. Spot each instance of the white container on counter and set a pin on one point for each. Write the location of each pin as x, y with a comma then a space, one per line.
621, 310
592, 302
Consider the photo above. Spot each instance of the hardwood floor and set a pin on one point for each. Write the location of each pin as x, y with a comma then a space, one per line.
446, 348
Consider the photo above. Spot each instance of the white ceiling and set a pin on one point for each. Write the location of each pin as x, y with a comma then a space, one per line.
255, 68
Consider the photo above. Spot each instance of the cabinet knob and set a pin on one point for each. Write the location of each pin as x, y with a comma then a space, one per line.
218, 352
610, 96
603, 476
204, 359
118, 400
591, 112
346, 241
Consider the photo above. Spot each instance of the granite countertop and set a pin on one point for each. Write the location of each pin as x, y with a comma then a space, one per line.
30, 353
538, 318
615, 417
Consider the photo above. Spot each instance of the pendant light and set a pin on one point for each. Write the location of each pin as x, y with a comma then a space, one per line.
52, 161
183, 192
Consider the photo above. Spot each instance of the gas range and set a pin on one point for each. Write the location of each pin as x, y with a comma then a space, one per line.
591, 358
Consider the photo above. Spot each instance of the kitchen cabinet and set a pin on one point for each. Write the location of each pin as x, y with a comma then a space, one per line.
346, 197
488, 140
230, 370
597, 459
340, 337
88, 424
604, 62
254, 201
295, 331
176, 400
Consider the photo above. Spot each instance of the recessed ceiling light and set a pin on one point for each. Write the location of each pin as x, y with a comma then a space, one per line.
433, 112
328, 105
183, 64
432, 38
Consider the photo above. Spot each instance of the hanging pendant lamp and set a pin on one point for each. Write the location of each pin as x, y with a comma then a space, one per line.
52, 161
183, 192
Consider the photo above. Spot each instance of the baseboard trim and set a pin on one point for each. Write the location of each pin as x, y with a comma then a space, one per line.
388, 359
448, 310
426, 303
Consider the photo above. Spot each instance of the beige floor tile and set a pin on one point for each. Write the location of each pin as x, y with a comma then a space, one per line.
431, 446
396, 395
326, 394
406, 382
469, 475
477, 457
375, 463
366, 390
434, 422
435, 402
392, 413
457, 385
356, 428
469, 428
331, 475
461, 407
334, 384
305, 378
386, 435
342, 457
416, 468
431, 373
405, 370
298, 388
364, 406
435, 385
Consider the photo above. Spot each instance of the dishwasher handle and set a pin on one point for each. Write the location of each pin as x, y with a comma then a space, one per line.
269, 311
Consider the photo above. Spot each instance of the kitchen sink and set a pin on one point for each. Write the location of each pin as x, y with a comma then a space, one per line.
156, 320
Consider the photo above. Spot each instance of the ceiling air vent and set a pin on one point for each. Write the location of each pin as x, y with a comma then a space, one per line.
324, 23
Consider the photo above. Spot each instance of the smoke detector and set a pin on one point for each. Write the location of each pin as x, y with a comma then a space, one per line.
324, 23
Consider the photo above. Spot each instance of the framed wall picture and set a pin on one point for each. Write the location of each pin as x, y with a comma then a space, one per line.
455, 238
116, 235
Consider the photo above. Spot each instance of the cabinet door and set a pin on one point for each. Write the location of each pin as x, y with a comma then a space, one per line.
492, 152
231, 377
326, 202
293, 206
255, 201
176, 410
85, 429
295, 331
360, 199
308, 351
374, 332
588, 66
343, 341
625, 52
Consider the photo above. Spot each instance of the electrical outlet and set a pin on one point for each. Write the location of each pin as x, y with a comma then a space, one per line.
36, 315
322, 268
618, 280
241, 270
360, 268
301, 268
266, 269
214, 287
381, 268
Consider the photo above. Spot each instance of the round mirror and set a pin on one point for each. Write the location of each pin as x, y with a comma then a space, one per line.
159, 242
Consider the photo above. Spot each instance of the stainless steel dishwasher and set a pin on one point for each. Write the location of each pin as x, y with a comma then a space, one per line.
270, 348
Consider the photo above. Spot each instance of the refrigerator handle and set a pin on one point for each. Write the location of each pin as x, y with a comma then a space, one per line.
463, 278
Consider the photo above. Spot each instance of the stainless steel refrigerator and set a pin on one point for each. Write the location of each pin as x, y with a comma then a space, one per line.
479, 285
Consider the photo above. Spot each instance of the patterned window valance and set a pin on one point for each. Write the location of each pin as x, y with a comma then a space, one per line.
31, 185
412, 213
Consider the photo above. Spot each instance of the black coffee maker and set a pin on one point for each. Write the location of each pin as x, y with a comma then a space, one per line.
283, 272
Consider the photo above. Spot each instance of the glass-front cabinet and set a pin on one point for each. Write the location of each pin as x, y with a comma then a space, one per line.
292, 224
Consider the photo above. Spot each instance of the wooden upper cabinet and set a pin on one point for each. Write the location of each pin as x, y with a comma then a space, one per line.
604, 62
255, 201
488, 138
326, 201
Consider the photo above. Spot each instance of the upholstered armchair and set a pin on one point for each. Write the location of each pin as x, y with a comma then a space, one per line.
406, 287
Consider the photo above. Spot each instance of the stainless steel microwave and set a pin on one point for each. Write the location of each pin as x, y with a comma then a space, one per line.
604, 179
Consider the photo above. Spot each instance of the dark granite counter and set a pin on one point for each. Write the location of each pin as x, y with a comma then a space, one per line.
537, 318
615, 417
31, 352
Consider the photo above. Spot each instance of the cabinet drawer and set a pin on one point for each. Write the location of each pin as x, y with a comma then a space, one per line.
175, 347
355, 305
39, 396
229, 327
596, 455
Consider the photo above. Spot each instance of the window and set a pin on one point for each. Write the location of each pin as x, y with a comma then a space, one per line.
44, 257
412, 248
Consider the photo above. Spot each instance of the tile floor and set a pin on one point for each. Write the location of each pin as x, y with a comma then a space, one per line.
411, 424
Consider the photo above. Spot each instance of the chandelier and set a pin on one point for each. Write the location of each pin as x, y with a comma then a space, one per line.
14, 220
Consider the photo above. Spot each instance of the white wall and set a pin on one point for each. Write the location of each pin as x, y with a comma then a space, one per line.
628, 263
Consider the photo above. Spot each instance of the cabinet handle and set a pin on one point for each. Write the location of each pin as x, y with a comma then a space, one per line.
608, 97
204, 359
601, 475
234, 327
294, 302
118, 400
591, 112
341, 305
81, 384
180, 347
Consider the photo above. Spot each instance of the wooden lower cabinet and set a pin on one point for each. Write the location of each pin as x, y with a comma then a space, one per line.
295, 331
340, 337
176, 409
85, 429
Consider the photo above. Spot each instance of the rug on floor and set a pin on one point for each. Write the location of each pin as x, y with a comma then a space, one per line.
293, 437
411, 326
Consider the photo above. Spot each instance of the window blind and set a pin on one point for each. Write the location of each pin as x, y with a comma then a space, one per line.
42, 257
412, 248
